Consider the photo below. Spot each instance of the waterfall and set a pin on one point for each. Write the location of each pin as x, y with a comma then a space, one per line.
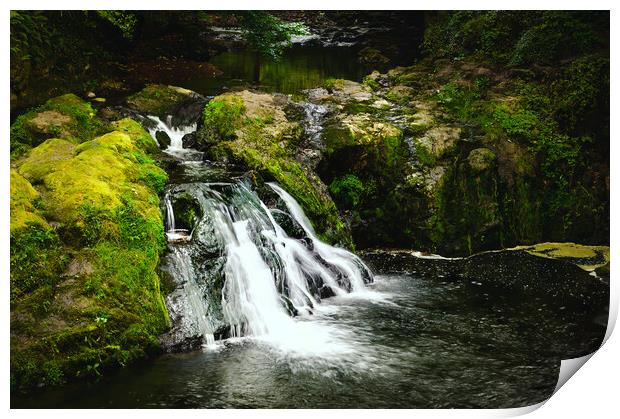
176, 134
346, 262
269, 280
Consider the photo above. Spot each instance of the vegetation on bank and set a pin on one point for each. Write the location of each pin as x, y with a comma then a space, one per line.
507, 150
53, 52
86, 234
253, 130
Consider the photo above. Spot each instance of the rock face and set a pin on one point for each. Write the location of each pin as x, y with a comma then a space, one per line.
255, 131
562, 273
440, 185
86, 233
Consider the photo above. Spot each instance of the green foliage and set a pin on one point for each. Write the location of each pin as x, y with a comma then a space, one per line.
30, 38
267, 34
123, 20
347, 190
581, 97
517, 37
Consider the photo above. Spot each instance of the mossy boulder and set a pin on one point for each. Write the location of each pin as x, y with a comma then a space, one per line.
400, 94
86, 234
67, 117
160, 100
588, 258
24, 202
252, 129
481, 159
436, 143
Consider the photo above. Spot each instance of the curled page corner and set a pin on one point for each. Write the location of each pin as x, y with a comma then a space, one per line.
569, 367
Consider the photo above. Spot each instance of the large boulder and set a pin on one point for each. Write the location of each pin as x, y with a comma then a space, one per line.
86, 234
67, 117
161, 100
254, 130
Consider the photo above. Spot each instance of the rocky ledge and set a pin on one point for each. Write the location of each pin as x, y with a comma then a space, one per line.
566, 274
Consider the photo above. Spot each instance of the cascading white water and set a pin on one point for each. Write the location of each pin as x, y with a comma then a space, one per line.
270, 277
175, 134
189, 299
346, 262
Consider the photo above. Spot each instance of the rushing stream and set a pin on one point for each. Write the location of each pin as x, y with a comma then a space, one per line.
267, 315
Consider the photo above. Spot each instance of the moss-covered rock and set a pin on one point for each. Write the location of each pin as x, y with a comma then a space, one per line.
400, 94
436, 143
24, 200
67, 117
85, 244
252, 129
589, 258
481, 159
160, 100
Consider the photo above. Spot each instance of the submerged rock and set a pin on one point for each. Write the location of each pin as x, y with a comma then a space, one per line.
163, 139
371, 55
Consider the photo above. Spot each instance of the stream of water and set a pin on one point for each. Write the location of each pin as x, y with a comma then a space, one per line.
279, 319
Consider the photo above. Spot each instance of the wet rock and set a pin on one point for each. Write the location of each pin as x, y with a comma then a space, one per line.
400, 94
437, 142
190, 140
163, 139
542, 270
522, 272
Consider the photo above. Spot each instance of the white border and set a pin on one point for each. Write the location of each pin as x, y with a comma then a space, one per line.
594, 389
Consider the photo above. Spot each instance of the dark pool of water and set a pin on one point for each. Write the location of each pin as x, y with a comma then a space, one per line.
301, 67
412, 343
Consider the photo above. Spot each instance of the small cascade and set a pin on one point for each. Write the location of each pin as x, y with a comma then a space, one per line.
175, 133
173, 233
255, 277
187, 305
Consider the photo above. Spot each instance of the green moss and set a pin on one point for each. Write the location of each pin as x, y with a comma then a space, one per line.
370, 82
24, 202
66, 117
347, 190
36, 258
139, 135
107, 309
332, 84
159, 99
222, 117
49, 156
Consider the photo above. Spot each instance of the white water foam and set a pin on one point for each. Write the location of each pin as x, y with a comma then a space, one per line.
175, 134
